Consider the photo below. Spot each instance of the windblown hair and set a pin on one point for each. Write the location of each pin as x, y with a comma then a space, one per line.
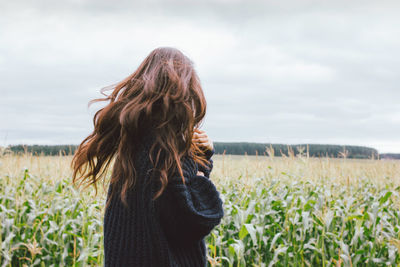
163, 96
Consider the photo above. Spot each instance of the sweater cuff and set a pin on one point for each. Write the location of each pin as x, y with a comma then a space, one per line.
207, 169
209, 153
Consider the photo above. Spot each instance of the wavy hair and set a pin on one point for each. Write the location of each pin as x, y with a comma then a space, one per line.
163, 96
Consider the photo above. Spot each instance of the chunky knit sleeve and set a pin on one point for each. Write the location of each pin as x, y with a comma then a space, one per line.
209, 166
188, 212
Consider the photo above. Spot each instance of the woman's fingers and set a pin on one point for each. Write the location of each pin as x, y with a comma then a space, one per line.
202, 139
207, 144
200, 173
200, 134
203, 142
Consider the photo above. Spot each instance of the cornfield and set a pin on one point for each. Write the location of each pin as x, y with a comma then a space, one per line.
290, 211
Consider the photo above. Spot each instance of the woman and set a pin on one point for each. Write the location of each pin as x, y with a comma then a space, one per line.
160, 203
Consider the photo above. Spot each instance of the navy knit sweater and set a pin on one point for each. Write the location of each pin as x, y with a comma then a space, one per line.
168, 231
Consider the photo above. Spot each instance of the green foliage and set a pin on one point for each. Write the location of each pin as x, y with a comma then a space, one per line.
305, 224
47, 225
267, 222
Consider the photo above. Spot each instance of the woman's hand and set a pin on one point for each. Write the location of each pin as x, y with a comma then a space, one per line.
199, 173
202, 140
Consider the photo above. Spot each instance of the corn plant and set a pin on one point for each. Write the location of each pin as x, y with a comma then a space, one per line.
291, 211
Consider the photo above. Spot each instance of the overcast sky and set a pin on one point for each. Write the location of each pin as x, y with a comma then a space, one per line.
272, 71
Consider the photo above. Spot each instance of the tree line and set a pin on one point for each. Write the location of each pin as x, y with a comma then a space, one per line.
389, 156
236, 148
311, 150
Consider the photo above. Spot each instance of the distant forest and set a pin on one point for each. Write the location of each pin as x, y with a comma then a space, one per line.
313, 150
390, 156
241, 148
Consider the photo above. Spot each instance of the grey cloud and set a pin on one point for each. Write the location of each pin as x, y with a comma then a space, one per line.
286, 71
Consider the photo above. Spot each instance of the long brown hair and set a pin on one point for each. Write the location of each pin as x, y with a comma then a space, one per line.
163, 96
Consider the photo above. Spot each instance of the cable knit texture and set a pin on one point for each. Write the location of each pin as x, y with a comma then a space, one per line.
169, 231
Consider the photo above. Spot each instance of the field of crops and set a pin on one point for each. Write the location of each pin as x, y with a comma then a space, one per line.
292, 211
